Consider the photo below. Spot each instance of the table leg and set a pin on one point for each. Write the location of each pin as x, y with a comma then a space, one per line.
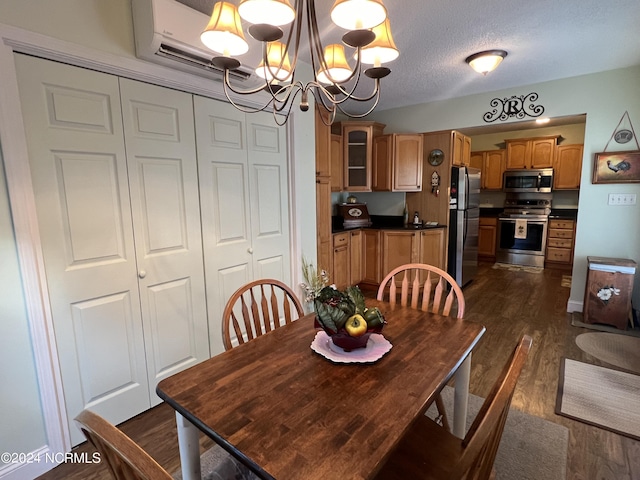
461, 397
189, 445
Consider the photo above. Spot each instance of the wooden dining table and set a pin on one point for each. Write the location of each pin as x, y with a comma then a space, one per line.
288, 412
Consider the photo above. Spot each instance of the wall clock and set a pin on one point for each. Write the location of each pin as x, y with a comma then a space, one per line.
436, 157
355, 212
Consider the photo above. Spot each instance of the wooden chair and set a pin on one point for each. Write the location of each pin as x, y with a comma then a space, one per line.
428, 451
125, 459
257, 308
414, 281
418, 279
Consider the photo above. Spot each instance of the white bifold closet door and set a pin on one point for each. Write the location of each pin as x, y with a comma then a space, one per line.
242, 161
115, 179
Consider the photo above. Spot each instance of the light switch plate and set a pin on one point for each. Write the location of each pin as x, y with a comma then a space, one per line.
622, 199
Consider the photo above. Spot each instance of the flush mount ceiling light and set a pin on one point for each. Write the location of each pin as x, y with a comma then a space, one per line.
335, 80
487, 61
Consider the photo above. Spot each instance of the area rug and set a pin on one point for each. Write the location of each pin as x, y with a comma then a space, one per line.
531, 448
619, 350
599, 396
576, 321
517, 268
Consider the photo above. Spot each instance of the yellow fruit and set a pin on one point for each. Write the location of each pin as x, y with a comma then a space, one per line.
356, 325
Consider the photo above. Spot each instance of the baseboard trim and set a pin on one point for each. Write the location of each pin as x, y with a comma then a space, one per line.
573, 306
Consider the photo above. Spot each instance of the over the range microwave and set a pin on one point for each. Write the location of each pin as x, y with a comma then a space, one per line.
528, 180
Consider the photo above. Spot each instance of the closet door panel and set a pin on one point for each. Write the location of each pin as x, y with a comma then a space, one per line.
79, 174
163, 181
224, 197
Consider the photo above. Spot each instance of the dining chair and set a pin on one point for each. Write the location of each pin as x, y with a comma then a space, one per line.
257, 308
428, 451
438, 288
432, 283
127, 461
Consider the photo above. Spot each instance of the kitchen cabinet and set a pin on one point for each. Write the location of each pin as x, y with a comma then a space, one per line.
355, 257
432, 247
323, 223
324, 185
492, 164
567, 167
487, 235
371, 268
538, 152
461, 149
337, 166
399, 247
560, 242
341, 274
397, 163
357, 144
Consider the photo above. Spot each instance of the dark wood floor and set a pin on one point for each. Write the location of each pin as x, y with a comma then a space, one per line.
509, 304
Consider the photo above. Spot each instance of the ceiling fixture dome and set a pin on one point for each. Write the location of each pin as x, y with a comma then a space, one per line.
487, 61
335, 81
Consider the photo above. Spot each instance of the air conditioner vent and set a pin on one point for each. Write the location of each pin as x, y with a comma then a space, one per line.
190, 59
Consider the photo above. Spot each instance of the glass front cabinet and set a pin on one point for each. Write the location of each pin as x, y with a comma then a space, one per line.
357, 140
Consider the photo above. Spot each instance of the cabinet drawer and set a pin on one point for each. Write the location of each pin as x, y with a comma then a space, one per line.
559, 223
558, 233
558, 255
340, 239
489, 221
560, 242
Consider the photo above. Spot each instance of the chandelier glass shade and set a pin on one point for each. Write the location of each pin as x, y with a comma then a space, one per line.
335, 79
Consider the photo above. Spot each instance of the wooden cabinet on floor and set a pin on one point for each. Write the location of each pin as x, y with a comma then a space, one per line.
536, 152
432, 248
355, 257
398, 248
487, 234
567, 167
341, 273
371, 268
560, 241
323, 222
337, 165
397, 163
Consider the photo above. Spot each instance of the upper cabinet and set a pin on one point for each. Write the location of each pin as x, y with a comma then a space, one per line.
357, 144
397, 163
492, 164
567, 167
531, 152
461, 149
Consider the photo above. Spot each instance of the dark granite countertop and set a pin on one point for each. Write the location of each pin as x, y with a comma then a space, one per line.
490, 211
382, 222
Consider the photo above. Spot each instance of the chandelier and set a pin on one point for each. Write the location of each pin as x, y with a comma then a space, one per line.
335, 81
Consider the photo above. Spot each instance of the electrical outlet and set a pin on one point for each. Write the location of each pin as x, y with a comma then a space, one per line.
622, 199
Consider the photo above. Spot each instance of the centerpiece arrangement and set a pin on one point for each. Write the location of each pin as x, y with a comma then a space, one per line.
345, 318
342, 315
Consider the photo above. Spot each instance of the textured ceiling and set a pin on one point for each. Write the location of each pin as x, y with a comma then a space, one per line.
545, 40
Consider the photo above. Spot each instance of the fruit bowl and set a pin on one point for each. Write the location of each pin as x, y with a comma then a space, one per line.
345, 319
342, 339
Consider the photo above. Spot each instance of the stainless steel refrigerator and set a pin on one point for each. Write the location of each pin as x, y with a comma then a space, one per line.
464, 216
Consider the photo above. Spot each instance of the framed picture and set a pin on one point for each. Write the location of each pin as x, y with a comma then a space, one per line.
617, 167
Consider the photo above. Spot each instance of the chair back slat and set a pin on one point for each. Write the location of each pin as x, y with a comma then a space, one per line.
433, 290
264, 304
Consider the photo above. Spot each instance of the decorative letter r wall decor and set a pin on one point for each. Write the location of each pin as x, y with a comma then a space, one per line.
515, 106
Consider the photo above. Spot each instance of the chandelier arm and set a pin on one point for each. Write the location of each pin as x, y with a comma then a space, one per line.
331, 109
375, 104
227, 83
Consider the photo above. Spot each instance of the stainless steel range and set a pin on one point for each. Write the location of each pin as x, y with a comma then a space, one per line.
522, 229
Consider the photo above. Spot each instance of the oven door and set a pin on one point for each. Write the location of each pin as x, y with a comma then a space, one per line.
522, 251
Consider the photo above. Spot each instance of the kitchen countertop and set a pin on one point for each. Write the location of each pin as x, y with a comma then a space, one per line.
382, 222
